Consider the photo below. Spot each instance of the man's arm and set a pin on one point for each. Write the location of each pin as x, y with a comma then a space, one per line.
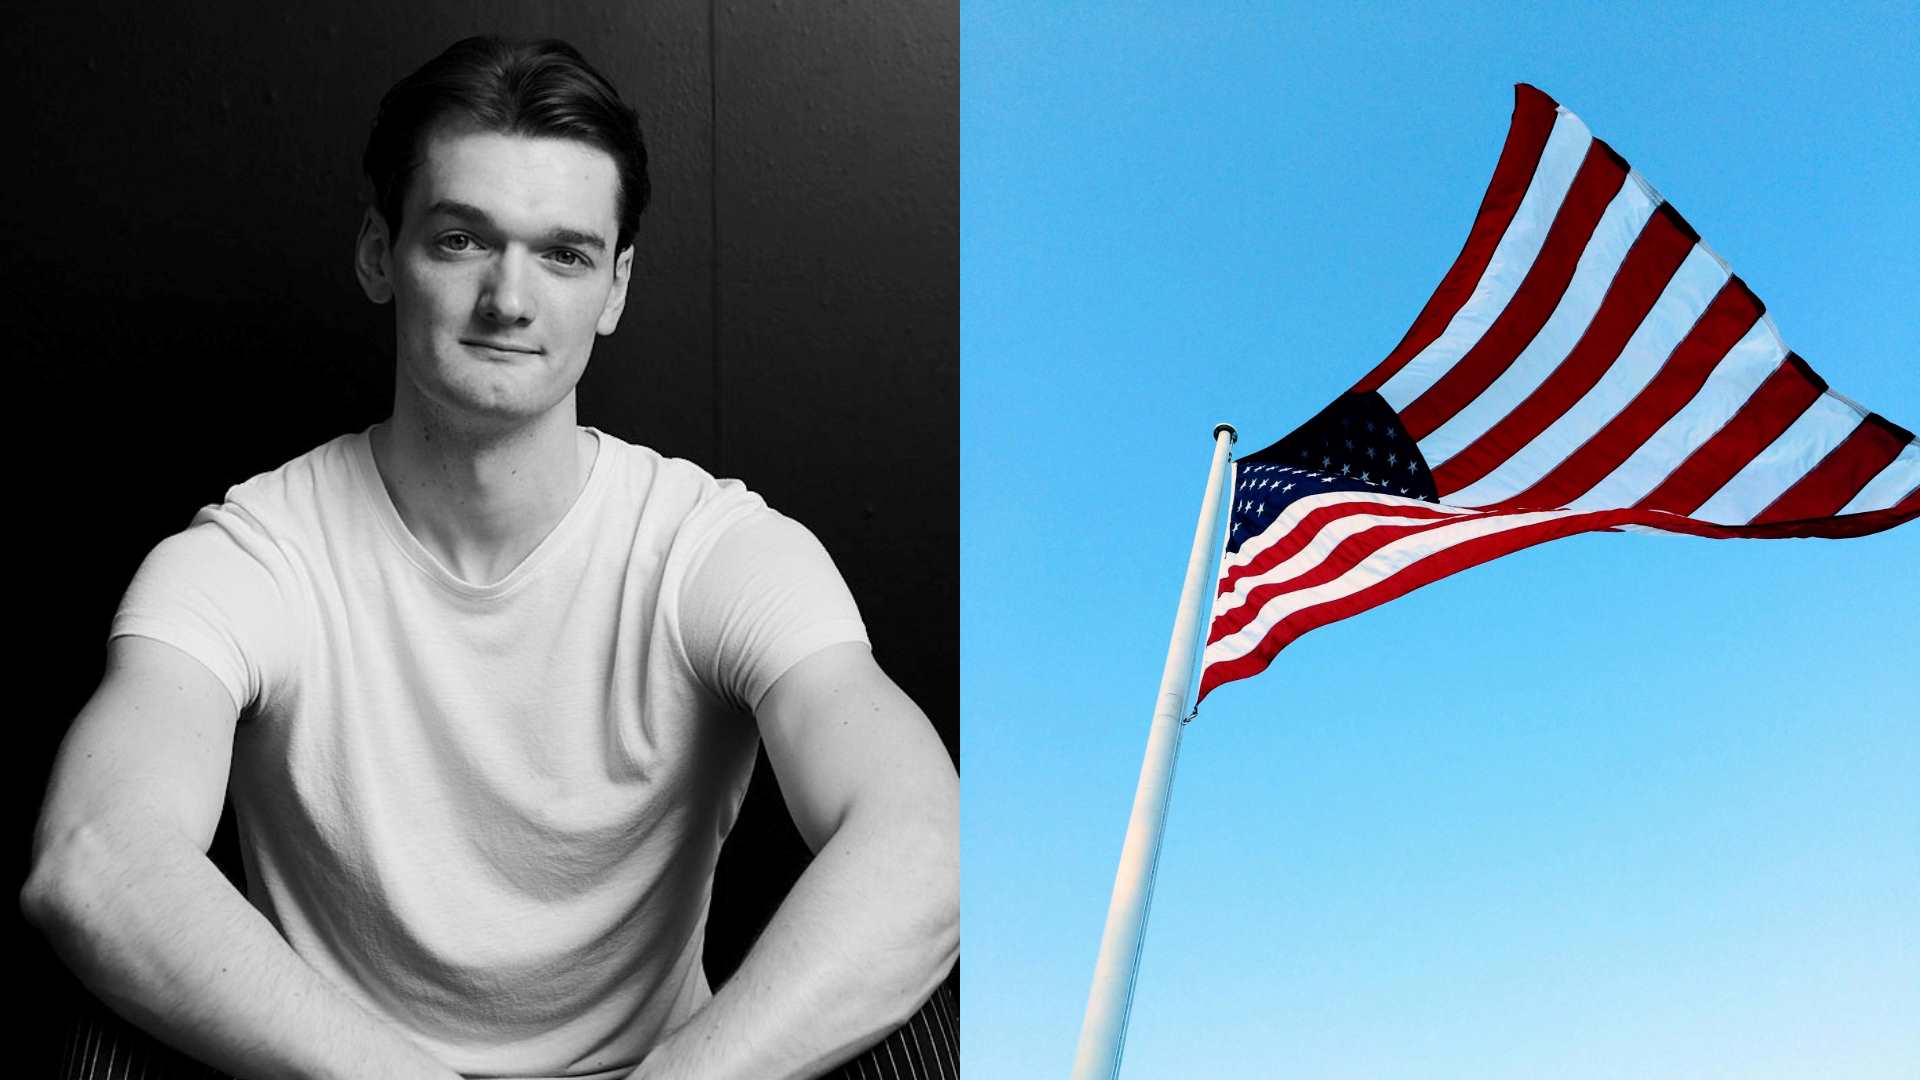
872, 927
122, 887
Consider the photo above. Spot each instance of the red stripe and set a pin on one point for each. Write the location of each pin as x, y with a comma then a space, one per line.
1344, 556
1771, 410
1533, 117
1309, 526
1643, 275
1595, 186
1726, 320
1428, 570
1840, 475
1483, 549
1832, 528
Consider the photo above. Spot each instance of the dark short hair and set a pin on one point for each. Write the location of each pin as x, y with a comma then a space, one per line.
534, 88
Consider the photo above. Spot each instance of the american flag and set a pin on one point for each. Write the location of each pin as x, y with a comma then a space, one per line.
1588, 363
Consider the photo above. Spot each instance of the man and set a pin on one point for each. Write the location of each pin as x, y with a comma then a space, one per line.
489, 684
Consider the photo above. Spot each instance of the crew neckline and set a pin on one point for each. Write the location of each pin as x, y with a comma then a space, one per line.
374, 491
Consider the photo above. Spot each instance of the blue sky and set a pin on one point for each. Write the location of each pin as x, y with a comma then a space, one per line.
1615, 806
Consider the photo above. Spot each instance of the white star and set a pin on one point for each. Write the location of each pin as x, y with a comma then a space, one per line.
1326, 462
1369, 451
1343, 470
1393, 459
1288, 486
1366, 478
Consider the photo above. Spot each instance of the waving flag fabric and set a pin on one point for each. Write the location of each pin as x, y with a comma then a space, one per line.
1588, 363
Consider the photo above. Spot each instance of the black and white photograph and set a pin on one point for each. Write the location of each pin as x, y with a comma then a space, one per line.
500, 613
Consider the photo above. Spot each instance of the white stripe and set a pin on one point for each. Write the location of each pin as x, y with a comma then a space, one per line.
1560, 160
1747, 365
1290, 517
1890, 484
928, 1061
1312, 554
1643, 530
950, 1042
1316, 550
1825, 424
1626, 216
1694, 285
1384, 563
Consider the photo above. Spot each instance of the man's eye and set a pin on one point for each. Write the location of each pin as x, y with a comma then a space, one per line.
456, 242
569, 257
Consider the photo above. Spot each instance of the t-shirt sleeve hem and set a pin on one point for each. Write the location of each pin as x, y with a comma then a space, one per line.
195, 645
777, 662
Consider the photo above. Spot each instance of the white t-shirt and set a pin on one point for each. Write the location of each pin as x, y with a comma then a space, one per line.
490, 813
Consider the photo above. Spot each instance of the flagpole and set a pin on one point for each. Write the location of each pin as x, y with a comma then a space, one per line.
1104, 1030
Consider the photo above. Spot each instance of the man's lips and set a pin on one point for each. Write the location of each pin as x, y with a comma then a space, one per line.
498, 346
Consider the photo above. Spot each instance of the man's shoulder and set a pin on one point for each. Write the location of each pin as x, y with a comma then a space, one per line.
304, 490
325, 468
672, 490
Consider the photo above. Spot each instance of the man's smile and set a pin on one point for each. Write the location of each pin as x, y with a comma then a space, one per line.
482, 345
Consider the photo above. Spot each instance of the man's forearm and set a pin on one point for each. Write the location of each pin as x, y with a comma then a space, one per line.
864, 938
154, 929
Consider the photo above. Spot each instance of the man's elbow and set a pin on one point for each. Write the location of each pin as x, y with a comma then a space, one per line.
934, 887
924, 957
86, 874
54, 898
944, 888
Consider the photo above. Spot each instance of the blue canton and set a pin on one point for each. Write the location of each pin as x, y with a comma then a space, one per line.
1355, 444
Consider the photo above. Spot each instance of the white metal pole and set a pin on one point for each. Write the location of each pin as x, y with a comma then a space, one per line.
1105, 1029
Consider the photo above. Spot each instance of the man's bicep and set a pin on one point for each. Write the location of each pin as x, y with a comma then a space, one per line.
152, 747
841, 736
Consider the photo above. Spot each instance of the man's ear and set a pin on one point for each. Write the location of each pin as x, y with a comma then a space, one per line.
617, 296
373, 258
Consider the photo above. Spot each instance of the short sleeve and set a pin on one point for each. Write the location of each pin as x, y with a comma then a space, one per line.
765, 596
218, 592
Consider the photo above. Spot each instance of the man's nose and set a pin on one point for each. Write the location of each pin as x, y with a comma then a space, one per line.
504, 296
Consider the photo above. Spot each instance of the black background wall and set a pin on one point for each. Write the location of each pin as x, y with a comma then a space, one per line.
182, 196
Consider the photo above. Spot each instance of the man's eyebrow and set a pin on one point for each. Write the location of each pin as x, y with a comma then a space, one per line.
473, 215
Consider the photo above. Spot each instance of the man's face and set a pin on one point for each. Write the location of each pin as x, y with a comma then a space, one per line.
503, 272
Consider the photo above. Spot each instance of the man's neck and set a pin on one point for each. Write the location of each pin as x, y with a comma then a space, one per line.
481, 501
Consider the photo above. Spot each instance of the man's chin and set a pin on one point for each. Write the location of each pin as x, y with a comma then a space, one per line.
487, 410
465, 392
